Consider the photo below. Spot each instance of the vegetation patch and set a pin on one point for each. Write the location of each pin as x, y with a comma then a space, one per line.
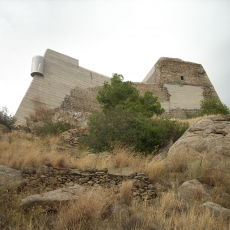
6, 119
127, 120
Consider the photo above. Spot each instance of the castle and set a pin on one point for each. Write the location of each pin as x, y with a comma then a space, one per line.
59, 81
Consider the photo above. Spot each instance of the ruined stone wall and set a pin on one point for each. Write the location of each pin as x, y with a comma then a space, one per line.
83, 100
179, 86
48, 178
173, 71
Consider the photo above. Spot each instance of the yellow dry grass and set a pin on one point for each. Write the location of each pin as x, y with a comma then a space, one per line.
94, 209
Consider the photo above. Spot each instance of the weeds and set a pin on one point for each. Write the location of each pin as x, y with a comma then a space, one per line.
95, 209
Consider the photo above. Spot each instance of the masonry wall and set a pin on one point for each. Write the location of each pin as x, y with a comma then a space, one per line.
179, 85
61, 74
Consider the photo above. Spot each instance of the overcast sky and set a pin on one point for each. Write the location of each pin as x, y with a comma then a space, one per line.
113, 36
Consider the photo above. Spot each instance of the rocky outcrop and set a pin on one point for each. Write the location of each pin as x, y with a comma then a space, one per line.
70, 137
207, 140
50, 116
71, 117
193, 190
9, 176
53, 199
217, 209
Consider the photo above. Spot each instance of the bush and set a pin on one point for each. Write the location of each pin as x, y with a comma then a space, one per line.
52, 129
40, 114
212, 106
124, 95
132, 129
6, 119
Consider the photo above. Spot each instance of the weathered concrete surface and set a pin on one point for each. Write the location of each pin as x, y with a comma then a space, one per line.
61, 74
184, 84
9, 176
176, 83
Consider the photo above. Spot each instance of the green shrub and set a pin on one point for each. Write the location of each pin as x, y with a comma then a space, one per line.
52, 129
125, 95
6, 119
131, 129
212, 106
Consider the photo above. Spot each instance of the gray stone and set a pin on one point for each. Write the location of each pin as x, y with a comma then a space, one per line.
52, 199
209, 140
217, 209
9, 176
192, 189
124, 172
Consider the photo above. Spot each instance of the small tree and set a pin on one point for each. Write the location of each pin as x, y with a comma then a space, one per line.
122, 126
213, 106
6, 119
124, 95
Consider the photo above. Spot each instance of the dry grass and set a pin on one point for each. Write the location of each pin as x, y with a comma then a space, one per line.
126, 157
169, 212
125, 191
192, 121
83, 214
94, 209
19, 150
155, 169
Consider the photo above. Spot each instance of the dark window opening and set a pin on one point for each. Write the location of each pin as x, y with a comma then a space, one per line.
182, 77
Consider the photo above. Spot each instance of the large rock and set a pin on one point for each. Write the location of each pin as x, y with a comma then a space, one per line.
53, 199
208, 139
9, 176
123, 172
192, 189
217, 209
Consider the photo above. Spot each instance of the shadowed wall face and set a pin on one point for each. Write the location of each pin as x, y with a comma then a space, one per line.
61, 74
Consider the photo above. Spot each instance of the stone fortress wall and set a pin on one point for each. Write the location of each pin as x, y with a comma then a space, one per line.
179, 86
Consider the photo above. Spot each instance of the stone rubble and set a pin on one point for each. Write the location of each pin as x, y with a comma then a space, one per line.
49, 178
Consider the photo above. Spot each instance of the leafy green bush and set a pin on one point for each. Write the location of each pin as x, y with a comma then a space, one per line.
52, 129
124, 95
213, 106
6, 119
132, 129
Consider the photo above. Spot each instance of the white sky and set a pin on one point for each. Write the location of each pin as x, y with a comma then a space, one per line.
113, 36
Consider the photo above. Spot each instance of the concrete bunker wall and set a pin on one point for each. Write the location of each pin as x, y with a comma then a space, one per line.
61, 74
179, 86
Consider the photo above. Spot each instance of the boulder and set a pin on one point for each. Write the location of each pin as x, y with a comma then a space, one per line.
217, 209
53, 199
9, 176
208, 139
192, 189
123, 172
